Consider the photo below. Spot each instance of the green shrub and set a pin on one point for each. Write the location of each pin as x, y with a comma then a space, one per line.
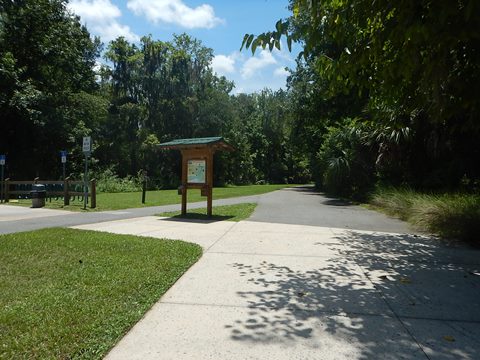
344, 164
109, 182
448, 215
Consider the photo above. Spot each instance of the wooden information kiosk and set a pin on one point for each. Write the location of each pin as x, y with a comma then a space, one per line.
197, 165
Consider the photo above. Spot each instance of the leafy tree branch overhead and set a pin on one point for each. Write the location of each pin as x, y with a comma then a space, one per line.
413, 64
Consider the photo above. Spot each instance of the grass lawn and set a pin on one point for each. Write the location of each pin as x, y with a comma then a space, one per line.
118, 201
236, 212
68, 293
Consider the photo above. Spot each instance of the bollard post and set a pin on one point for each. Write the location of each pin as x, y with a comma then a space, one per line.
6, 190
93, 195
2, 184
144, 189
66, 194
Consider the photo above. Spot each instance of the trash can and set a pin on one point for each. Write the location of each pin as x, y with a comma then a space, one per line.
38, 195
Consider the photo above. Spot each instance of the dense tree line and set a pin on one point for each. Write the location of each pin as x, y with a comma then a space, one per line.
159, 91
47, 84
386, 91
54, 92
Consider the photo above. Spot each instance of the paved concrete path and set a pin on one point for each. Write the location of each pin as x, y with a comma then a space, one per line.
270, 290
299, 205
14, 218
305, 206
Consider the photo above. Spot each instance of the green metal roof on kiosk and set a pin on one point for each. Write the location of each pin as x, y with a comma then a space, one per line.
216, 142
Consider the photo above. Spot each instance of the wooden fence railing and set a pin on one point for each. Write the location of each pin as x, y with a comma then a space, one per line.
67, 189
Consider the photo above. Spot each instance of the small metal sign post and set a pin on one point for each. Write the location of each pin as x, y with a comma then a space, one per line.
87, 149
2, 185
63, 159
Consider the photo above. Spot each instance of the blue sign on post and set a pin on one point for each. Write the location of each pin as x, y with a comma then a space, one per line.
63, 156
2, 159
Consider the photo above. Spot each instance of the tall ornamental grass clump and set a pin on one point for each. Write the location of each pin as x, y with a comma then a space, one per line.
448, 215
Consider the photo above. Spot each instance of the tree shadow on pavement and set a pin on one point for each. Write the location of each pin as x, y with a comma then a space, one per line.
337, 202
349, 301
329, 200
419, 276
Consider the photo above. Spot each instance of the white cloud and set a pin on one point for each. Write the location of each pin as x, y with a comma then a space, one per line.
224, 64
95, 10
253, 64
98, 65
283, 53
175, 12
101, 18
281, 72
238, 90
251, 74
114, 29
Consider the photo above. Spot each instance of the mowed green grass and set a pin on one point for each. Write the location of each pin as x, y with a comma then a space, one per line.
236, 212
68, 293
118, 201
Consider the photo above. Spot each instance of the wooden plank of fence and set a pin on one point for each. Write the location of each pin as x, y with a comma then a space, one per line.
44, 182
49, 193
76, 182
66, 193
21, 182
19, 192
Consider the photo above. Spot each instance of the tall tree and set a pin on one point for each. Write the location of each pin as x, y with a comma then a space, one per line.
46, 58
415, 62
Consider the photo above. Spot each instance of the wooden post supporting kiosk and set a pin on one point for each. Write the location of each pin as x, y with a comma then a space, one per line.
197, 165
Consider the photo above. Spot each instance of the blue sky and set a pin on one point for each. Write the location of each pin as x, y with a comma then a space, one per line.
219, 24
